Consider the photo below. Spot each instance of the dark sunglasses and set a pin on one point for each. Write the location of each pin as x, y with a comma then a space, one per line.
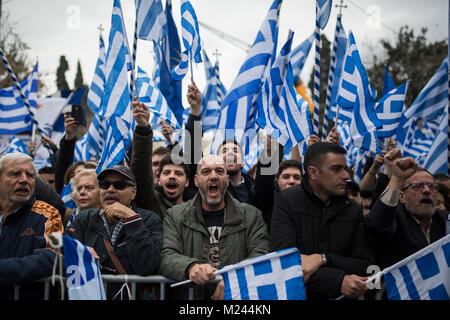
418, 186
118, 185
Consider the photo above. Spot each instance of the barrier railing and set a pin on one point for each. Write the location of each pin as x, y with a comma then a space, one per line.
133, 280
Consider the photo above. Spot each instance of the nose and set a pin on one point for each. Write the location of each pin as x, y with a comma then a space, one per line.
426, 189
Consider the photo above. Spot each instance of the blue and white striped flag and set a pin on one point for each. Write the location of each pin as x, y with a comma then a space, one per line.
96, 136
84, 280
150, 95
117, 143
437, 157
17, 145
116, 98
390, 109
14, 115
299, 56
278, 112
238, 110
81, 152
94, 98
425, 275
358, 95
388, 83
274, 276
212, 96
151, 20
66, 196
430, 103
418, 144
191, 40
323, 12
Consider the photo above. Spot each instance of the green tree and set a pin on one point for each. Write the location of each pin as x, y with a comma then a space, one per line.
410, 57
61, 82
324, 69
79, 82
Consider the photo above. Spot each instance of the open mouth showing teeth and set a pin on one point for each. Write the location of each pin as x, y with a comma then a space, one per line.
213, 189
426, 201
172, 186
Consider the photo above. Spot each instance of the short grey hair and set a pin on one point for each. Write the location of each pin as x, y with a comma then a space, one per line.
15, 156
82, 173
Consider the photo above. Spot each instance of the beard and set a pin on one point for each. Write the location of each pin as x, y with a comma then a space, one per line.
212, 202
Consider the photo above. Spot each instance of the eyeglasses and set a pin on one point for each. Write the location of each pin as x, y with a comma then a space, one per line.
118, 185
418, 186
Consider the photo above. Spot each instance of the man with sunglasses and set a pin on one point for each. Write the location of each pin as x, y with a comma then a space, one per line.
119, 230
405, 218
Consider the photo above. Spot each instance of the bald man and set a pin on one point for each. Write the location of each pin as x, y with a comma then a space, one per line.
210, 231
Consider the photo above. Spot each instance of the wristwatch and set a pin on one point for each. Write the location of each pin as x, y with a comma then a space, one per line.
324, 259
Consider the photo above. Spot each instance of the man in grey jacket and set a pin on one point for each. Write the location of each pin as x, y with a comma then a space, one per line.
210, 231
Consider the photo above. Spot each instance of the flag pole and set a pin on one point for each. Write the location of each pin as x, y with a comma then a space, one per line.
192, 72
22, 95
133, 62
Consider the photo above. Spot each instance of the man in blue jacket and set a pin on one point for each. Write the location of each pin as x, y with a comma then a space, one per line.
25, 226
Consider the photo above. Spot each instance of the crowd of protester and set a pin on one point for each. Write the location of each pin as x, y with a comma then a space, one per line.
184, 216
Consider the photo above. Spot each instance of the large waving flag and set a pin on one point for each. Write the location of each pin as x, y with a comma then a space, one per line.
117, 143
94, 98
191, 40
278, 112
390, 109
274, 276
238, 110
436, 158
430, 103
425, 275
14, 115
299, 56
116, 96
150, 95
84, 281
323, 12
358, 95
212, 95
151, 20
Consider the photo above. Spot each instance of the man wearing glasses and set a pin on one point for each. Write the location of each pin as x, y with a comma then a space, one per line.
124, 238
405, 218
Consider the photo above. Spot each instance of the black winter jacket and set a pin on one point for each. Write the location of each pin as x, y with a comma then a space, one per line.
301, 219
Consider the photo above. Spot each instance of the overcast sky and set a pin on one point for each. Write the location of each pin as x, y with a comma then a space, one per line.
70, 27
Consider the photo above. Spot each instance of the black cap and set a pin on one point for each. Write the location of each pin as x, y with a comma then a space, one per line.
125, 171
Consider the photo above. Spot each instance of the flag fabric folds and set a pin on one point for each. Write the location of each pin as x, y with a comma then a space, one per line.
94, 98
274, 276
84, 281
299, 56
150, 95
389, 110
15, 117
151, 20
116, 96
323, 12
191, 40
278, 112
436, 158
388, 84
17, 145
358, 95
238, 110
425, 275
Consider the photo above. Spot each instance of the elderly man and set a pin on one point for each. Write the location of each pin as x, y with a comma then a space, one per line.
318, 219
25, 226
405, 218
124, 238
210, 231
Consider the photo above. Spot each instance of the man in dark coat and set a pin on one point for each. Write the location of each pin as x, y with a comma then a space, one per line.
318, 219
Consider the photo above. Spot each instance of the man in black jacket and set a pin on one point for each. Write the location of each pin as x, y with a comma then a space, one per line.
405, 218
318, 219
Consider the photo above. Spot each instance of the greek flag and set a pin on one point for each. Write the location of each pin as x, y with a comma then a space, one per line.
191, 40
431, 101
437, 157
14, 115
151, 20
323, 12
96, 136
94, 98
388, 84
357, 94
278, 112
390, 109
66, 196
84, 281
299, 56
418, 144
212, 96
238, 110
17, 145
116, 96
117, 143
150, 95
274, 276
425, 275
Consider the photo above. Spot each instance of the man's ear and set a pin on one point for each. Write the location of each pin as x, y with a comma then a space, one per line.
195, 180
134, 192
313, 172
401, 197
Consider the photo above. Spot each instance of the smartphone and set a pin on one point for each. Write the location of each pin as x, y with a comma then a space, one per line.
78, 114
